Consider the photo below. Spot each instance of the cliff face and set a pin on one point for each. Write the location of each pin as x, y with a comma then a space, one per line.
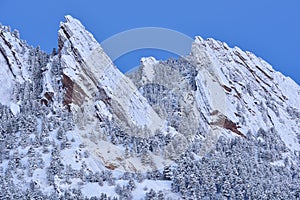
256, 95
88, 70
72, 119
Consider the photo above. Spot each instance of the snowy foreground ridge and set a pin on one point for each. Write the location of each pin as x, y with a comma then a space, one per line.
219, 123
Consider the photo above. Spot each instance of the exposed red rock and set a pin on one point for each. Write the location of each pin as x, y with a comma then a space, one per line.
224, 122
73, 93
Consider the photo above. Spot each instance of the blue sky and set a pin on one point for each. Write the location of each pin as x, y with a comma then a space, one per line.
270, 29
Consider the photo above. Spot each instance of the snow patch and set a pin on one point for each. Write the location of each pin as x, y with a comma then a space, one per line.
15, 108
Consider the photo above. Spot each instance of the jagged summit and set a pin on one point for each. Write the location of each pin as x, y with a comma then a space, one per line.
73, 31
87, 69
217, 123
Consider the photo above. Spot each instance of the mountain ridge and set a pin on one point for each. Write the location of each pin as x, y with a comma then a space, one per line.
101, 125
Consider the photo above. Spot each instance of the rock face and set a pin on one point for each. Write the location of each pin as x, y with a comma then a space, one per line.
256, 95
87, 70
217, 123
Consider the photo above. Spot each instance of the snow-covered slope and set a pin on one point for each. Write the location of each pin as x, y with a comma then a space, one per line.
217, 123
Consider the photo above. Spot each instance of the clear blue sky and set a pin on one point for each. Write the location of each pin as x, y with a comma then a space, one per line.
270, 29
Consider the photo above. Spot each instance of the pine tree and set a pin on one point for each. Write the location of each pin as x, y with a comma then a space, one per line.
167, 173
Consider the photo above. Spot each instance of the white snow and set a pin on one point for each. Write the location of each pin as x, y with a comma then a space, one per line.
158, 185
93, 189
279, 163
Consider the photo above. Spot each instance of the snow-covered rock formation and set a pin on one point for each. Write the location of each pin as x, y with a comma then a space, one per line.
87, 69
217, 123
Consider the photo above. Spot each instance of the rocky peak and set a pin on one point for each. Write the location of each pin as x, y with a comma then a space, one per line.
88, 70
219, 113
256, 95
